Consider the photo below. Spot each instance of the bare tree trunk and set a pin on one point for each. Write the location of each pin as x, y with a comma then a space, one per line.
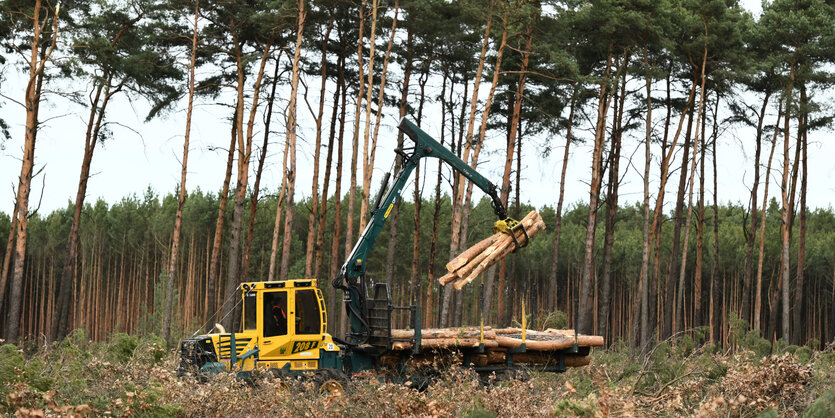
491, 272
352, 192
244, 154
714, 277
785, 228
313, 215
323, 209
643, 285
700, 230
367, 160
680, 312
749, 255
279, 206
585, 319
672, 274
181, 199
803, 120
337, 205
7, 257
214, 264
552, 280
605, 300
31, 101
395, 213
655, 228
760, 259
289, 209
256, 189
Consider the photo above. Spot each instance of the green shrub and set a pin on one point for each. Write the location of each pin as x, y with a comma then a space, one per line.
803, 353
569, 408
477, 411
11, 363
122, 347
768, 413
556, 319
823, 406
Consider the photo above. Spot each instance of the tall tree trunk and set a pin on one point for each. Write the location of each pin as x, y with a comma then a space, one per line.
323, 209
553, 284
785, 228
367, 154
181, 198
655, 228
392, 244
7, 257
214, 264
672, 274
714, 276
337, 204
803, 120
760, 259
643, 285
680, 311
256, 189
244, 154
313, 214
289, 209
700, 229
352, 192
749, 254
584, 320
511, 141
605, 300
491, 272
31, 102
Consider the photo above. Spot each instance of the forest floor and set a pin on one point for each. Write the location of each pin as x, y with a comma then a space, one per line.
130, 376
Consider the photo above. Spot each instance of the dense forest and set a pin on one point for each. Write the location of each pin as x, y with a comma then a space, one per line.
670, 77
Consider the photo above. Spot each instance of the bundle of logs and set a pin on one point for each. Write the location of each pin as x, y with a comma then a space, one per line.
464, 268
496, 342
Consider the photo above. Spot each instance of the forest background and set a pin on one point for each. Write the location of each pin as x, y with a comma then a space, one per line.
549, 78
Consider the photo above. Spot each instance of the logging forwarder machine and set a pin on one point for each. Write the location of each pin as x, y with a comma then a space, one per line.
284, 323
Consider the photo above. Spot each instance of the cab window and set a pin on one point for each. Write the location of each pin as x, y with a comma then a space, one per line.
307, 312
275, 313
250, 311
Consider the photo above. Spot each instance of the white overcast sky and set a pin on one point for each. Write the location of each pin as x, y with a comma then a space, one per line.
142, 155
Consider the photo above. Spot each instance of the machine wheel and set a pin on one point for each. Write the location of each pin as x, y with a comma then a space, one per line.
330, 382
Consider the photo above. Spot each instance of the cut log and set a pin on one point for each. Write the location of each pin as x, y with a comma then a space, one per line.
500, 249
471, 252
447, 278
430, 333
535, 345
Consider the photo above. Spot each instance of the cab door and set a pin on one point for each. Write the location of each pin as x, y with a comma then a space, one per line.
276, 324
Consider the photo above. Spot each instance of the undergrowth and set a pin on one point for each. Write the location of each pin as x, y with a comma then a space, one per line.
135, 376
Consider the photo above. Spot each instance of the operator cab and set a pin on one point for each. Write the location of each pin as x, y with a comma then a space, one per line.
283, 326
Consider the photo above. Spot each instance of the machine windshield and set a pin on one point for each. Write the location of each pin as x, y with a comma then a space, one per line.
308, 320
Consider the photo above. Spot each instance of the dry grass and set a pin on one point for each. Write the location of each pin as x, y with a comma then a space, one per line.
135, 377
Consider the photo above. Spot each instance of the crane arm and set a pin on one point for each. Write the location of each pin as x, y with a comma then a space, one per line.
352, 275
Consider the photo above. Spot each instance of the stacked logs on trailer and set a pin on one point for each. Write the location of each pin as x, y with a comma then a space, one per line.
468, 265
539, 345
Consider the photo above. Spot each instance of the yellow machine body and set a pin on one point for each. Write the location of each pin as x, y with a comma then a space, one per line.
283, 326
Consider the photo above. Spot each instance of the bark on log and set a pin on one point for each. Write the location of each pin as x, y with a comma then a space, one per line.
463, 258
430, 333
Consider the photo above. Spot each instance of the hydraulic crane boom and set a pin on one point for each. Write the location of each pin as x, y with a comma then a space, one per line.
351, 278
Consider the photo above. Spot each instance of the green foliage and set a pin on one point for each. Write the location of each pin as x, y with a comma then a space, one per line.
740, 336
556, 319
568, 408
122, 346
824, 406
477, 410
